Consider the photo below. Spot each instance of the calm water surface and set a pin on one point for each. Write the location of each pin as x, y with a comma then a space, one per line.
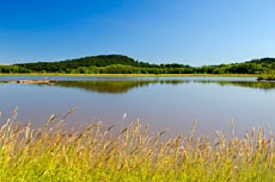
163, 102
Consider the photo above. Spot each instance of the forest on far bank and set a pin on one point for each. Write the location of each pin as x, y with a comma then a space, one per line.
119, 64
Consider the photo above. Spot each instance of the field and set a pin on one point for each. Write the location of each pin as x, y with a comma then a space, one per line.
130, 153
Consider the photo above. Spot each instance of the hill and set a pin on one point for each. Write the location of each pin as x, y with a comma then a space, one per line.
96, 61
262, 61
255, 66
120, 64
99, 64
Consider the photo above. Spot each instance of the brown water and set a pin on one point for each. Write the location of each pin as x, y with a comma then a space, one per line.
163, 102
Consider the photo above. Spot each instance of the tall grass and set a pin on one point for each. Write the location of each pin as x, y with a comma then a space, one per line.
99, 153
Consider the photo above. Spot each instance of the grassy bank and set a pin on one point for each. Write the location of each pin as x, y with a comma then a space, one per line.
135, 75
107, 153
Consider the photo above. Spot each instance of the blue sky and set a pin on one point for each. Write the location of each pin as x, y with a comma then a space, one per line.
194, 32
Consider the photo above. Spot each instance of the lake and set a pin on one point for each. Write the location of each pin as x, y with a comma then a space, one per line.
162, 102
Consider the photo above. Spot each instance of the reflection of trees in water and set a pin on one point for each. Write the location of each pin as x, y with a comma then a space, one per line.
260, 85
124, 86
254, 84
113, 86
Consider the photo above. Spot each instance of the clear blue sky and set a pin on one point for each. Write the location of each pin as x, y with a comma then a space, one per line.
194, 32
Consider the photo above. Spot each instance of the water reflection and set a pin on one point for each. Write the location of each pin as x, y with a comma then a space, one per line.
162, 102
120, 86
248, 84
113, 86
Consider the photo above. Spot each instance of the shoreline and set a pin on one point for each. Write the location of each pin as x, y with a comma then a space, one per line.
135, 75
266, 78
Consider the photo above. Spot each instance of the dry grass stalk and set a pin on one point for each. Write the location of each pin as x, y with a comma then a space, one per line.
97, 153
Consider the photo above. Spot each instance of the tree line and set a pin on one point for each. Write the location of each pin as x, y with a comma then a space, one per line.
118, 64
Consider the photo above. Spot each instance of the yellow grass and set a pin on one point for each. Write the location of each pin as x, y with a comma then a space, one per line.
133, 75
113, 153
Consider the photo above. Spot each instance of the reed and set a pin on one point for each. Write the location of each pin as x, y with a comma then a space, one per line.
106, 153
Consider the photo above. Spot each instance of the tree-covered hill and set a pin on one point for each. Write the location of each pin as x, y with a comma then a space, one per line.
119, 64
262, 61
100, 64
255, 66
92, 61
